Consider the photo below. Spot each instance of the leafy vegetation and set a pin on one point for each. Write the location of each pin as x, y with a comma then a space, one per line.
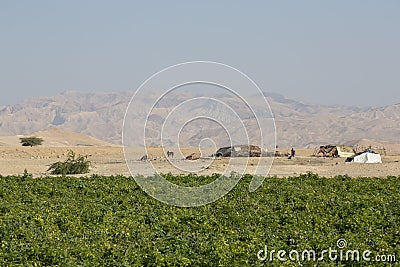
27, 175
31, 141
73, 165
110, 221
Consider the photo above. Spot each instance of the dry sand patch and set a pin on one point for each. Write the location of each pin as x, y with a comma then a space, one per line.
110, 161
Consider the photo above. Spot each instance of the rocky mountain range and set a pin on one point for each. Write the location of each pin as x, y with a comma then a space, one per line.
297, 124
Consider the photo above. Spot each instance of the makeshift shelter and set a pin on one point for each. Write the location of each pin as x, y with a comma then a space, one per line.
193, 156
239, 151
327, 151
335, 151
368, 156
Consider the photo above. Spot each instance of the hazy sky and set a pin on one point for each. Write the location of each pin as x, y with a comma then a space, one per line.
330, 52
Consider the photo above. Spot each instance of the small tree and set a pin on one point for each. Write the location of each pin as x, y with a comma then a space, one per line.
73, 165
31, 141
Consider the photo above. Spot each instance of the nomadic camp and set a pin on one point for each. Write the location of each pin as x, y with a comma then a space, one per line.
368, 156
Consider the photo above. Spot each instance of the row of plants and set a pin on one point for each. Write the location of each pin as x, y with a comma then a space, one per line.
110, 221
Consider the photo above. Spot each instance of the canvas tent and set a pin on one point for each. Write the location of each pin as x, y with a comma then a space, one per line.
366, 157
239, 151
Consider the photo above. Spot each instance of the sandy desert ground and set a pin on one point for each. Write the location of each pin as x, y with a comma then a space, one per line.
109, 160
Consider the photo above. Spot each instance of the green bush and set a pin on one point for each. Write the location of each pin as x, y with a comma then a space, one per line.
26, 175
31, 141
73, 165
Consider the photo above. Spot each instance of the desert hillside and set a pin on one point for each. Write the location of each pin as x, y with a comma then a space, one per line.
101, 115
57, 138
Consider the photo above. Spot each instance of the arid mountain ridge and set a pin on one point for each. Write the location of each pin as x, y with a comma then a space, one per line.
298, 124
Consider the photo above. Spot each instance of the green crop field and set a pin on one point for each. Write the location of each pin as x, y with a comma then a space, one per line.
110, 221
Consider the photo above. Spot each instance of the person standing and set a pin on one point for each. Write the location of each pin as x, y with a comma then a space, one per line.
292, 152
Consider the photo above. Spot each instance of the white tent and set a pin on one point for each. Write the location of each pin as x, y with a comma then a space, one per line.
368, 157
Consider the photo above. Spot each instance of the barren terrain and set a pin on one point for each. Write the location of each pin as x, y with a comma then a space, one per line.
109, 160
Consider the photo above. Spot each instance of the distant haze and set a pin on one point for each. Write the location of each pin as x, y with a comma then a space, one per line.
324, 52
101, 115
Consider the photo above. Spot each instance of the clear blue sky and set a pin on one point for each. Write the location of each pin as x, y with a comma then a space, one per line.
330, 52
